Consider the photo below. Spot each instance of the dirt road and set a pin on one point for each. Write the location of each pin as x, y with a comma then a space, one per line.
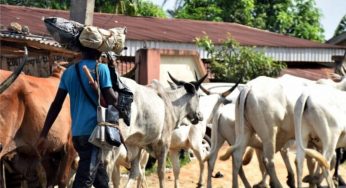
189, 173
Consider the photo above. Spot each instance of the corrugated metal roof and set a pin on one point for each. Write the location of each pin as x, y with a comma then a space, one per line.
158, 29
312, 73
31, 37
161, 33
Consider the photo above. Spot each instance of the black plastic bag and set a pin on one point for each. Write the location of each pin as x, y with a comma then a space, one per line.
124, 104
113, 136
64, 31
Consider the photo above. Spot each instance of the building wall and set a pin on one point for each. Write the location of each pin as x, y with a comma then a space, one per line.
35, 66
182, 67
155, 63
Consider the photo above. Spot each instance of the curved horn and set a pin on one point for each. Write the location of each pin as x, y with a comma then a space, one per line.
204, 90
5, 84
175, 80
199, 82
196, 77
224, 94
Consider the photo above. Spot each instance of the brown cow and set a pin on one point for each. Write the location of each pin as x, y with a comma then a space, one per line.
23, 109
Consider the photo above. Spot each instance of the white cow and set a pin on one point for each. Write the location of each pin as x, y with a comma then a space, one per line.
223, 129
320, 117
191, 136
267, 104
155, 113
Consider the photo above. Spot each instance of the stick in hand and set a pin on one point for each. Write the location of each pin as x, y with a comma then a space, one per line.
94, 84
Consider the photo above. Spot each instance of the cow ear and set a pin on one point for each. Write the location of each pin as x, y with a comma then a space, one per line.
190, 88
172, 85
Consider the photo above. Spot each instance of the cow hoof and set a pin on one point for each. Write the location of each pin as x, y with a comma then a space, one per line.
338, 181
199, 185
341, 181
261, 185
307, 179
290, 181
218, 175
273, 184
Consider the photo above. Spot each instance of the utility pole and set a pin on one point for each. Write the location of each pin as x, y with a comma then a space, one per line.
82, 11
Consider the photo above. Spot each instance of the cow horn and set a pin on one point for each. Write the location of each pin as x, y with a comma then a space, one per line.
5, 84
199, 82
202, 88
224, 94
196, 77
175, 80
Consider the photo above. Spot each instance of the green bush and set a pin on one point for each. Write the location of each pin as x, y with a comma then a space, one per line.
230, 60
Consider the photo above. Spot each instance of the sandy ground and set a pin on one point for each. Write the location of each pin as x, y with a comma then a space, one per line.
189, 173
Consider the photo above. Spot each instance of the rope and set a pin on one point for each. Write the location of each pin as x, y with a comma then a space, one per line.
107, 124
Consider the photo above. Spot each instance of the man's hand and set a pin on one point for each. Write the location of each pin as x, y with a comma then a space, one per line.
42, 146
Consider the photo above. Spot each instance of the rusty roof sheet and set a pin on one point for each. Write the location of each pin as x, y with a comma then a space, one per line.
311, 73
158, 29
30, 37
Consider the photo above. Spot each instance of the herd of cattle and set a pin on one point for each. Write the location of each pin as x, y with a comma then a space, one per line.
166, 120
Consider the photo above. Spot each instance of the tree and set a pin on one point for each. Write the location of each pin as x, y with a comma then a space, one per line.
52, 4
299, 18
126, 7
231, 61
341, 27
146, 8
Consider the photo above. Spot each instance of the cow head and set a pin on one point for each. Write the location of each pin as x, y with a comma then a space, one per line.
222, 96
211, 103
190, 98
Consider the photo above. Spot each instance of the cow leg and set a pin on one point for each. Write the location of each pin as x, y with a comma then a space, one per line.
134, 172
300, 155
162, 164
290, 174
337, 163
109, 161
263, 182
143, 162
2, 174
311, 164
243, 177
238, 156
329, 152
197, 149
268, 152
41, 173
314, 178
116, 176
215, 147
174, 155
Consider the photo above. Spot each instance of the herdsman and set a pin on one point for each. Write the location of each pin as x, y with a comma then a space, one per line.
84, 116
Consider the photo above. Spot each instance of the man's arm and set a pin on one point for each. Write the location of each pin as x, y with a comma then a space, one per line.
110, 96
54, 111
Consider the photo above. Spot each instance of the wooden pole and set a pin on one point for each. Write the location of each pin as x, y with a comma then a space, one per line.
82, 11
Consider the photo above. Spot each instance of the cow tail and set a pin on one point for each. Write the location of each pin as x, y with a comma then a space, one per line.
214, 135
298, 114
240, 134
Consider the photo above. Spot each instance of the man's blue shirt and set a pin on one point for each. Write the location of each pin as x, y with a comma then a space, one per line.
83, 112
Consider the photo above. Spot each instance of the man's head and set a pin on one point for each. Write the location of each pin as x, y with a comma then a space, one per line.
89, 53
